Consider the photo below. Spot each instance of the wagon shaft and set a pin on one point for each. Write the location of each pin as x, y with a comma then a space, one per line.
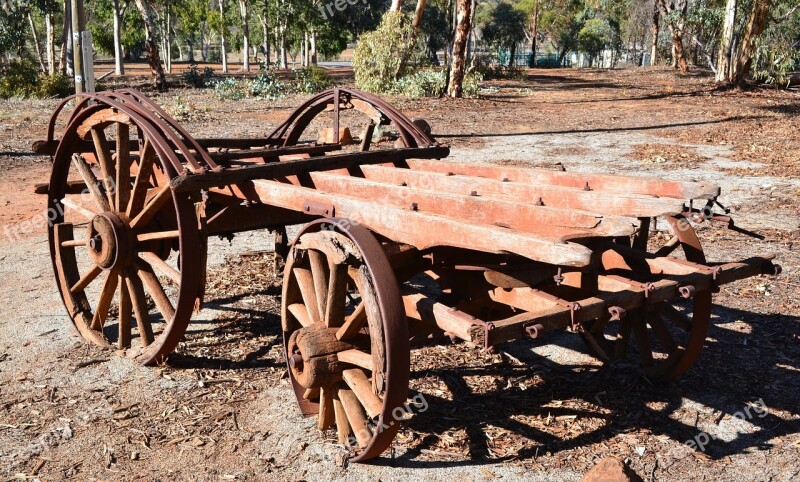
399, 245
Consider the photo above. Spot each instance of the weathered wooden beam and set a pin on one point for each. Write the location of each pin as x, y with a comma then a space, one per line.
611, 183
632, 205
235, 175
421, 230
552, 223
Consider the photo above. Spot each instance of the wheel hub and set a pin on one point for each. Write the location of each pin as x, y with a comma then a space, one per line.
109, 241
312, 355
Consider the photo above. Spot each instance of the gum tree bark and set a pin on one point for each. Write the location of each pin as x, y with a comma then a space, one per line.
759, 15
153, 58
675, 13
458, 64
223, 47
655, 21
245, 36
119, 65
726, 46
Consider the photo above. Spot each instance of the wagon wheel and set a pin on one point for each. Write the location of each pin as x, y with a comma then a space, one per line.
345, 335
669, 336
125, 251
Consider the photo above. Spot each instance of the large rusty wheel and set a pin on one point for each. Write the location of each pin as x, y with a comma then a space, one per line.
345, 335
125, 248
668, 336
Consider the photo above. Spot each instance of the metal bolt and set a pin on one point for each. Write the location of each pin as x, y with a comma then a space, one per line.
96, 242
296, 361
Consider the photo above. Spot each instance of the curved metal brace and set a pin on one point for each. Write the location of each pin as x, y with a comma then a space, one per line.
289, 132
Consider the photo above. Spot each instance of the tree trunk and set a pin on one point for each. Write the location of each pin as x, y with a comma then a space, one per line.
313, 47
63, 63
655, 28
223, 46
190, 47
534, 32
265, 38
675, 11
245, 36
146, 10
36, 43
282, 43
757, 23
168, 39
119, 65
511, 53
458, 65
50, 44
726, 46
396, 5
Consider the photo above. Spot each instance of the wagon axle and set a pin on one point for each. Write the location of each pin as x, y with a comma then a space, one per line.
396, 245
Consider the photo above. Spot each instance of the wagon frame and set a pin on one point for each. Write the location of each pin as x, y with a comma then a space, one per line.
398, 246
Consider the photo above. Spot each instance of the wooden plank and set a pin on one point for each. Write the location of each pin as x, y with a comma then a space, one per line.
611, 183
639, 206
424, 230
553, 223
235, 175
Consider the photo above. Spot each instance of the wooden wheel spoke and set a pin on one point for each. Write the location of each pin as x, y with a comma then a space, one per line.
157, 236
353, 323
104, 159
300, 313
104, 302
305, 282
139, 304
86, 279
357, 358
673, 315
326, 410
123, 171
125, 307
142, 181
342, 425
83, 211
319, 272
357, 380
355, 416
162, 266
153, 286
152, 208
642, 340
336, 296
662, 333
85, 171
623, 338
668, 248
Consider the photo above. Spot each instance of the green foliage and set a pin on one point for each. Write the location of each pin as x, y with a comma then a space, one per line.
432, 83
19, 80
22, 79
593, 36
194, 77
268, 86
378, 55
778, 48
425, 83
504, 27
312, 79
230, 88
56, 86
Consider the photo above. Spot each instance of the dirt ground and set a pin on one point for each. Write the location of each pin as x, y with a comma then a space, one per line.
221, 407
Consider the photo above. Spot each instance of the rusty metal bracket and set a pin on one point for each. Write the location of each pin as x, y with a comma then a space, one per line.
319, 209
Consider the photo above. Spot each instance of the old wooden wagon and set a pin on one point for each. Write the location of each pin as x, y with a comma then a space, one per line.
397, 245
